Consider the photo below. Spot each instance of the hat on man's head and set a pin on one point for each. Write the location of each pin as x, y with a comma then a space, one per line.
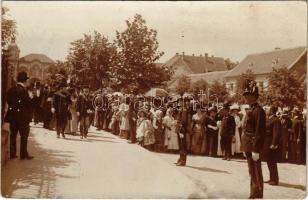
226, 105
250, 87
22, 76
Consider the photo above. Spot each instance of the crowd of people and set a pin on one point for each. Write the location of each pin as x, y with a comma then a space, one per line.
210, 130
181, 125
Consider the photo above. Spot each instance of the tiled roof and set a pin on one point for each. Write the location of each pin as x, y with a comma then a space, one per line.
199, 64
262, 63
34, 56
209, 77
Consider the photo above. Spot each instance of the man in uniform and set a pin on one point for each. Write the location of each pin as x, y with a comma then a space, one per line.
20, 105
252, 138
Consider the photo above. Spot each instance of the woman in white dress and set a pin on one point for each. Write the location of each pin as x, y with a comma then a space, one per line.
124, 123
236, 145
171, 137
74, 121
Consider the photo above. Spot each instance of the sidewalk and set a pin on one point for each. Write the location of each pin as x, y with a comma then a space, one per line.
103, 166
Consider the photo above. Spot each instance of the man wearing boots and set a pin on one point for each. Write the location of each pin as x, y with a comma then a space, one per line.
253, 137
84, 111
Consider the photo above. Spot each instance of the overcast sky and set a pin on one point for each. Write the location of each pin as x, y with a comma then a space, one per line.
224, 29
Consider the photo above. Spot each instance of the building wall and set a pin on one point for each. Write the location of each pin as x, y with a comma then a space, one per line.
261, 79
35, 69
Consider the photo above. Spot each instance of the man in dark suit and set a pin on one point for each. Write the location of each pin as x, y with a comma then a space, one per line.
183, 123
84, 110
20, 105
60, 106
270, 152
296, 136
227, 132
286, 125
253, 137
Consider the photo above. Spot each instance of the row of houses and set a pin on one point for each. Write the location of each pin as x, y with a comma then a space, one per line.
195, 67
261, 64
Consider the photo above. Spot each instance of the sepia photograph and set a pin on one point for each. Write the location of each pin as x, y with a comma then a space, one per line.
153, 99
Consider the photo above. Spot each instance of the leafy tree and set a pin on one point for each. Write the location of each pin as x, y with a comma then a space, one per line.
59, 70
200, 85
8, 35
238, 96
8, 29
218, 90
138, 51
183, 85
91, 59
284, 89
230, 64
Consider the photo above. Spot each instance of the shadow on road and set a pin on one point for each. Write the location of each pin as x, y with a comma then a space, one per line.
89, 140
34, 178
288, 185
208, 169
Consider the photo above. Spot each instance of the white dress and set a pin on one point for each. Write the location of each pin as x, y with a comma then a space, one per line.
171, 137
237, 144
219, 152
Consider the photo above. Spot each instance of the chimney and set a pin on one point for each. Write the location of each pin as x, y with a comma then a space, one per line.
277, 48
193, 54
205, 60
200, 55
206, 55
177, 53
183, 53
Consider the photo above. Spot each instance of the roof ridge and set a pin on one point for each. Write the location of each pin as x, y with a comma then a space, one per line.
276, 50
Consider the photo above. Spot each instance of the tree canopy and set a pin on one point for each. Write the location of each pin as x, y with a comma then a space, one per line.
284, 89
138, 52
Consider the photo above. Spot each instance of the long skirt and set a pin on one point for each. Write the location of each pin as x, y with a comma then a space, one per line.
74, 122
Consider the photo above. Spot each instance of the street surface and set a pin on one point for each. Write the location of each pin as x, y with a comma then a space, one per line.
105, 166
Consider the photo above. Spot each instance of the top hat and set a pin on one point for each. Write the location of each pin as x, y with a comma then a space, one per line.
22, 76
250, 87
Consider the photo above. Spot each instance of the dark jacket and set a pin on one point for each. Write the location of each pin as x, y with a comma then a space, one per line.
227, 126
84, 103
61, 101
254, 129
297, 129
20, 105
272, 137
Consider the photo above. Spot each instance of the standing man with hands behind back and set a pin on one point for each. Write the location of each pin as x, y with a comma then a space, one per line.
253, 138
